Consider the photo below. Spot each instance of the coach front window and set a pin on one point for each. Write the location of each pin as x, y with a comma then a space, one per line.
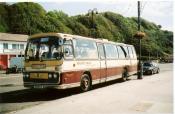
45, 48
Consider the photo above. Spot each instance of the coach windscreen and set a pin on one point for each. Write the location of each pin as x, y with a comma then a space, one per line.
45, 48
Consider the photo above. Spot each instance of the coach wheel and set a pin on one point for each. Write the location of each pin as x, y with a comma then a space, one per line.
85, 83
124, 75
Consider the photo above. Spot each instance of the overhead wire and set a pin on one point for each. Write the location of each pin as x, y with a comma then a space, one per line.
142, 7
128, 9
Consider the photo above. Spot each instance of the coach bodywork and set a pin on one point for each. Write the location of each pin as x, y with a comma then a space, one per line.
74, 58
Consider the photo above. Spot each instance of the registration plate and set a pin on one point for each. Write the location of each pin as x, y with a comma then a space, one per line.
39, 75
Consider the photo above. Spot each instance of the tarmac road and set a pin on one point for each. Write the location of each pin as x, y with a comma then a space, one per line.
153, 94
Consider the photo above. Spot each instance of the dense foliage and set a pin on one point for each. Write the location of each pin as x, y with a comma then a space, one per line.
30, 18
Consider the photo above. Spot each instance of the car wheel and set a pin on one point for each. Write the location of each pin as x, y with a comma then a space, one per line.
158, 70
152, 72
85, 84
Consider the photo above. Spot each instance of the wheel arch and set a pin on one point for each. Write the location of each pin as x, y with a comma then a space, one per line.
126, 68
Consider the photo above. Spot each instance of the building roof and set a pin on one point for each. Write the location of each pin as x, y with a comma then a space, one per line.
13, 37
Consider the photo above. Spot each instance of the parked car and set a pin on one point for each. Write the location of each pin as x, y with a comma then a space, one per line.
16, 65
150, 68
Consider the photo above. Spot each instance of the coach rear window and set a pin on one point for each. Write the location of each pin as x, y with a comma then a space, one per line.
121, 53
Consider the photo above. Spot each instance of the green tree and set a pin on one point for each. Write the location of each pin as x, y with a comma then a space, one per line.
4, 19
25, 17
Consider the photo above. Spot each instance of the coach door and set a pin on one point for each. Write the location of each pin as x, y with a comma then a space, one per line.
103, 69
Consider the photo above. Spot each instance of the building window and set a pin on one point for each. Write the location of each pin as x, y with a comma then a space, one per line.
5, 45
15, 46
20, 55
21, 46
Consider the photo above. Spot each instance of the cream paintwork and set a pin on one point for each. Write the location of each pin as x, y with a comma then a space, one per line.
80, 65
51, 68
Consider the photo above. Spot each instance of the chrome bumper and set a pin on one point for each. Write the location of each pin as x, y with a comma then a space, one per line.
50, 85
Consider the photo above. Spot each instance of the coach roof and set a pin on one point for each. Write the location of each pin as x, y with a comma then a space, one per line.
69, 36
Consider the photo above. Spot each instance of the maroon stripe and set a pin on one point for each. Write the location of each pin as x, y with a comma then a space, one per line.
75, 76
71, 77
114, 71
132, 68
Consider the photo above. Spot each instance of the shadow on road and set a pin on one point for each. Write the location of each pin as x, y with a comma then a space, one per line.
34, 95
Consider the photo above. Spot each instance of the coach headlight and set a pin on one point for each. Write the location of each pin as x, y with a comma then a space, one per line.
50, 75
55, 75
27, 75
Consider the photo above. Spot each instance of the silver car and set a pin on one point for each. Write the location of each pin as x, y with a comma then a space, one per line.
150, 68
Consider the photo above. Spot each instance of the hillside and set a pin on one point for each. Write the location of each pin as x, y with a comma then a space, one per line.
31, 18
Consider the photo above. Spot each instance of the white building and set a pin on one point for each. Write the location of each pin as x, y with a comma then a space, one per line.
11, 45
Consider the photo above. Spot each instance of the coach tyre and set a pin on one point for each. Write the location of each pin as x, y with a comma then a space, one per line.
124, 75
85, 83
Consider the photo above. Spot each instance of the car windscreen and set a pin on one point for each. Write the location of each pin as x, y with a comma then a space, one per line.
147, 64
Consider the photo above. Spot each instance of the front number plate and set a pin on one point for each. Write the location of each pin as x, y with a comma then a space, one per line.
39, 75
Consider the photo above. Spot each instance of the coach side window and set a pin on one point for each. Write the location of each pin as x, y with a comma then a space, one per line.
134, 52
125, 49
85, 49
121, 53
130, 52
68, 50
111, 51
101, 51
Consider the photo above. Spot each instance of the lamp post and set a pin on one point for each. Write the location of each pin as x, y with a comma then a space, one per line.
92, 13
139, 35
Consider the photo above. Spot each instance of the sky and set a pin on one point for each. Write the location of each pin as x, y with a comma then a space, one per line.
158, 12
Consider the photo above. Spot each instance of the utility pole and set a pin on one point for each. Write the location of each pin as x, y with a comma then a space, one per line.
140, 74
138, 5
92, 12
